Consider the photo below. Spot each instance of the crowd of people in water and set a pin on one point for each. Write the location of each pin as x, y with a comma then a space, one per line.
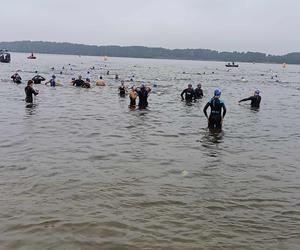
216, 104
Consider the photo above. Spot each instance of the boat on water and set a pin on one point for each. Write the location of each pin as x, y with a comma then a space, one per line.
4, 56
231, 65
31, 56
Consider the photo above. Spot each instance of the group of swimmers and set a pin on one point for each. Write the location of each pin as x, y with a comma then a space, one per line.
217, 106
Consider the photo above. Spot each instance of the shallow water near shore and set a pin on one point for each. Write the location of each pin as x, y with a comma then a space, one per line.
80, 170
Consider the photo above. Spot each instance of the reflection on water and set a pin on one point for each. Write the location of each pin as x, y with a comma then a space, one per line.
84, 171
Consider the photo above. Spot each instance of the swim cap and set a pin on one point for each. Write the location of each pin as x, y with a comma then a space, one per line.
199, 85
190, 85
256, 92
217, 92
53, 76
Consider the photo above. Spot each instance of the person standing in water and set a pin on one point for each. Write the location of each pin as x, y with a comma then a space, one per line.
16, 78
216, 105
122, 89
38, 79
189, 94
29, 91
52, 81
78, 82
143, 94
133, 95
255, 99
198, 92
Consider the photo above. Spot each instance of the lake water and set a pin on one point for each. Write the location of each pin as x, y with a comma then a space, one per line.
80, 170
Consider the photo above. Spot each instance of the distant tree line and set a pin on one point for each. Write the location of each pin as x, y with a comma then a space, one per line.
146, 52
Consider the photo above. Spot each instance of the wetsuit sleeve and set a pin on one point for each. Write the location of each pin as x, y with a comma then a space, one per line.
182, 93
224, 110
194, 95
42, 78
201, 92
246, 99
205, 108
34, 92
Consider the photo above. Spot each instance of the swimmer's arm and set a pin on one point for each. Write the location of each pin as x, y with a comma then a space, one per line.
245, 99
205, 109
224, 110
182, 94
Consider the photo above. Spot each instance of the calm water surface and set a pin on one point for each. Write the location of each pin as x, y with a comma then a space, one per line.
79, 170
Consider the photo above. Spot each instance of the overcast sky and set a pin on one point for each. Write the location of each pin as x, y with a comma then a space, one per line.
270, 26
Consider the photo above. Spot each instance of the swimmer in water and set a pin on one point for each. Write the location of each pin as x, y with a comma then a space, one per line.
143, 94
255, 99
100, 82
29, 91
198, 92
78, 82
38, 79
133, 95
16, 78
189, 94
216, 105
122, 89
52, 81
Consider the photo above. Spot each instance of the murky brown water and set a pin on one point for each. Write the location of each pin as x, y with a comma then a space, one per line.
79, 170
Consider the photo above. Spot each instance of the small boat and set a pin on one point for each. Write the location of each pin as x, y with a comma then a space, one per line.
231, 65
31, 56
4, 56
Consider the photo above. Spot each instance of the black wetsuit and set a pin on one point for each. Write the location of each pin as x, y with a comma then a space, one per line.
189, 94
215, 117
78, 83
143, 96
255, 101
122, 91
86, 85
38, 79
16, 78
29, 91
198, 93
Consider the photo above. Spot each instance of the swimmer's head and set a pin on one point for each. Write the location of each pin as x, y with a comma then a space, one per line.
217, 93
79, 77
29, 83
256, 92
190, 86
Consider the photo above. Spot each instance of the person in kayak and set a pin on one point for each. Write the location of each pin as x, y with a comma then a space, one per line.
29, 91
122, 89
78, 82
255, 99
198, 92
38, 79
189, 94
216, 105
16, 78
133, 95
143, 94
52, 81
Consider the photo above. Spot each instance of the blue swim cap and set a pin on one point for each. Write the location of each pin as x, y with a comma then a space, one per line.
256, 92
217, 92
